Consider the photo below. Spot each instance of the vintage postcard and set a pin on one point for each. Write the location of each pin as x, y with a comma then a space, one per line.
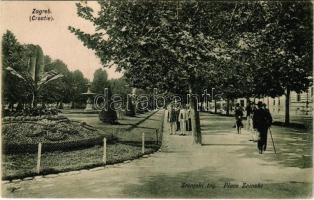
157, 99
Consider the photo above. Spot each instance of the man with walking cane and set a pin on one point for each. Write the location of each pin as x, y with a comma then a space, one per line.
262, 121
271, 135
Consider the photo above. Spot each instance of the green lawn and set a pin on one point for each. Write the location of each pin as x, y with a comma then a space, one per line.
128, 147
22, 165
93, 120
129, 129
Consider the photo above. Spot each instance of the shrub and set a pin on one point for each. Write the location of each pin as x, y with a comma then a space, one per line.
130, 111
108, 116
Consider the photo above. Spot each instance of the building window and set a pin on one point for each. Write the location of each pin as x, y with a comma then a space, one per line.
298, 97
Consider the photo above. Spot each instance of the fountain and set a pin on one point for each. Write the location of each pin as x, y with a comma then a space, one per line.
89, 94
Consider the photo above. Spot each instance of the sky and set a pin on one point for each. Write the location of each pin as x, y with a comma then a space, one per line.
54, 37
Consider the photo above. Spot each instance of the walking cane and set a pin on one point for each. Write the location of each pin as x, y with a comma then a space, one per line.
271, 136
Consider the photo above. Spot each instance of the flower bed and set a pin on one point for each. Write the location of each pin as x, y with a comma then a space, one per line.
75, 154
24, 136
33, 118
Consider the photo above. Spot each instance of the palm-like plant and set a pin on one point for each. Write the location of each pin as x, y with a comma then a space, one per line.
35, 79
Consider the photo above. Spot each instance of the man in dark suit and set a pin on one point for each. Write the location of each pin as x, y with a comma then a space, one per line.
238, 113
172, 119
262, 121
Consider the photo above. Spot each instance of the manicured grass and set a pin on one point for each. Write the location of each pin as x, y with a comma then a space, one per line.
93, 120
129, 129
23, 165
128, 147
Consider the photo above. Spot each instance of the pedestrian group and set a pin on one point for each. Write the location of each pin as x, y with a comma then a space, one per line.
179, 119
258, 121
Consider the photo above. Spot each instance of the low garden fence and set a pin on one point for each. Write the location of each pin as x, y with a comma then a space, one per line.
145, 142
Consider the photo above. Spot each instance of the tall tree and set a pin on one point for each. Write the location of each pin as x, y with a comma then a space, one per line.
289, 34
172, 45
155, 45
120, 86
78, 85
59, 90
14, 56
99, 81
281, 49
34, 79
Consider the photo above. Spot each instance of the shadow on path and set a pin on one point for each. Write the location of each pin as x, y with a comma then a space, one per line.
183, 170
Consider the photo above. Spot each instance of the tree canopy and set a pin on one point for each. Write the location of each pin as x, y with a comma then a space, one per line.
27, 73
244, 49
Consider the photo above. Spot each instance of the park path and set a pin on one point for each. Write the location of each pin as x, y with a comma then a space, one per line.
180, 169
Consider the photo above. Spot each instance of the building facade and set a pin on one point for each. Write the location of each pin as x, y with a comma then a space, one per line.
300, 103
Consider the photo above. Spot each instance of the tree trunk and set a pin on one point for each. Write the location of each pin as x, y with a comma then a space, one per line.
19, 106
247, 101
202, 105
60, 105
228, 105
287, 107
34, 103
215, 105
195, 119
11, 106
207, 107
72, 104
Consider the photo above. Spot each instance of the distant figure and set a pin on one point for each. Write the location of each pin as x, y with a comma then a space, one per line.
188, 119
177, 111
270, 120
238, 113
255, 134
182, 119
172, 119
262, 121
249, 113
